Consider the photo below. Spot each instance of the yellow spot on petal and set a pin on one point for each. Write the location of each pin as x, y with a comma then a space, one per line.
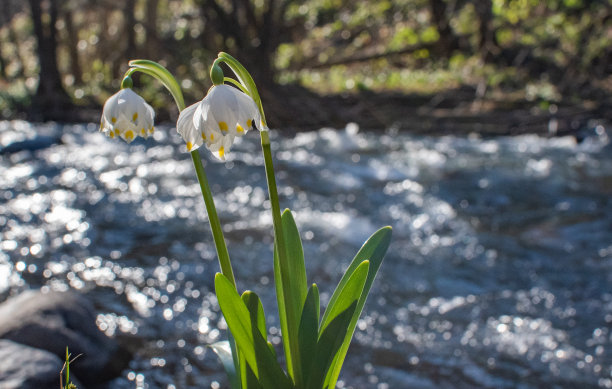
114, 120
189, 146
239, 128
203, 136
152, 130
221, 152
111, 134
117, 131
135, 116
129, 135
212, 136
249, 123
223, 126
143, 131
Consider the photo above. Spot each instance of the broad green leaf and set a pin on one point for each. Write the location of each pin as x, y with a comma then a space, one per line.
224, 352
282, 312
295, 254
253, 304
248, 337
374, 250
291, 291
256, 312
328, 345
350, 292
309, 330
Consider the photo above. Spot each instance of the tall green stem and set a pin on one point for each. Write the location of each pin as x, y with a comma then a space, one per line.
213, 219
160, 73
293, 311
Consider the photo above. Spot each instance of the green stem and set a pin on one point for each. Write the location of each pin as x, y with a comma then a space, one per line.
160, 73
279, 241
245, 79
215, 225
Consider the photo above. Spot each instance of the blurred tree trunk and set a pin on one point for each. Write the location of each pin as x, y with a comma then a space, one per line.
254, 33
487, 42
130, 22
447, 42
152, 42
3, 73
50, 102
73, 40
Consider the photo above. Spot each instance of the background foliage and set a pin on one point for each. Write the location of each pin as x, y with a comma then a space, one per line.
58, 54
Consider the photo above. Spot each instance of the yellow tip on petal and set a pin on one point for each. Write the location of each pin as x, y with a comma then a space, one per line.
101, 126
223, 126
111, 134
117, 131
129, 135
203, 136
239, 128
135, 116
189, 146
249, 123
212, 136
143, 131
221, 152
152, 130
114, 120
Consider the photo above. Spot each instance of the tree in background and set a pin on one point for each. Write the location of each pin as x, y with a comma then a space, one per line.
557, 48
50, 102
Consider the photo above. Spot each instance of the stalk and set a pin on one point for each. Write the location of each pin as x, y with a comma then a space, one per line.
160, 73
213, 219
279, 241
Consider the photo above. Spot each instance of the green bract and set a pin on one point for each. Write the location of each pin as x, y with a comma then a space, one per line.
315, 346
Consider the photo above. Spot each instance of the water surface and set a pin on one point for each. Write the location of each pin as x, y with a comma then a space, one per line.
498, 275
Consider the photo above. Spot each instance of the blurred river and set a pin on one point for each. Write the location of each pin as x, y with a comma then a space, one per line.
499, 274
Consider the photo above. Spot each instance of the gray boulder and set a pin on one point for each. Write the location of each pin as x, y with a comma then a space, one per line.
24, 367
55, 320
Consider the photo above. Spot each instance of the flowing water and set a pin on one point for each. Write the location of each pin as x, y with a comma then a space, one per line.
499, 274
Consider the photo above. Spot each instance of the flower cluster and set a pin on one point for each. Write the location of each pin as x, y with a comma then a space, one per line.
127, 115
222, 115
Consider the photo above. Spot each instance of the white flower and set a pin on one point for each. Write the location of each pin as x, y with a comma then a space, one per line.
127, 115
222, 115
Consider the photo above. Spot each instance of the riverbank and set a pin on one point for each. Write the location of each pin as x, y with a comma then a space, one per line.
458, 111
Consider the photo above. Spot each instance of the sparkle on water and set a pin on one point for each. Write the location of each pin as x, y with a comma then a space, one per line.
498, 275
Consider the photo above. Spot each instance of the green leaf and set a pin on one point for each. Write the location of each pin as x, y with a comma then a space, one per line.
291, 296
248, 336
351, 291
328, 345
309, 330
374, 250
256, 312
224, 352
282, 312
295, 254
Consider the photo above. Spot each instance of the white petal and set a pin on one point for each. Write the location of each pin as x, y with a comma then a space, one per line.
188, 126
126, 114
222, 147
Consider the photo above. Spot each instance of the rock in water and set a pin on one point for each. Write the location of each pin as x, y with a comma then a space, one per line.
24, 367
55, 320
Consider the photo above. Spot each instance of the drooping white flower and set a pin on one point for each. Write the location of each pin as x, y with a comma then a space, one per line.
127, 115
222, 115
